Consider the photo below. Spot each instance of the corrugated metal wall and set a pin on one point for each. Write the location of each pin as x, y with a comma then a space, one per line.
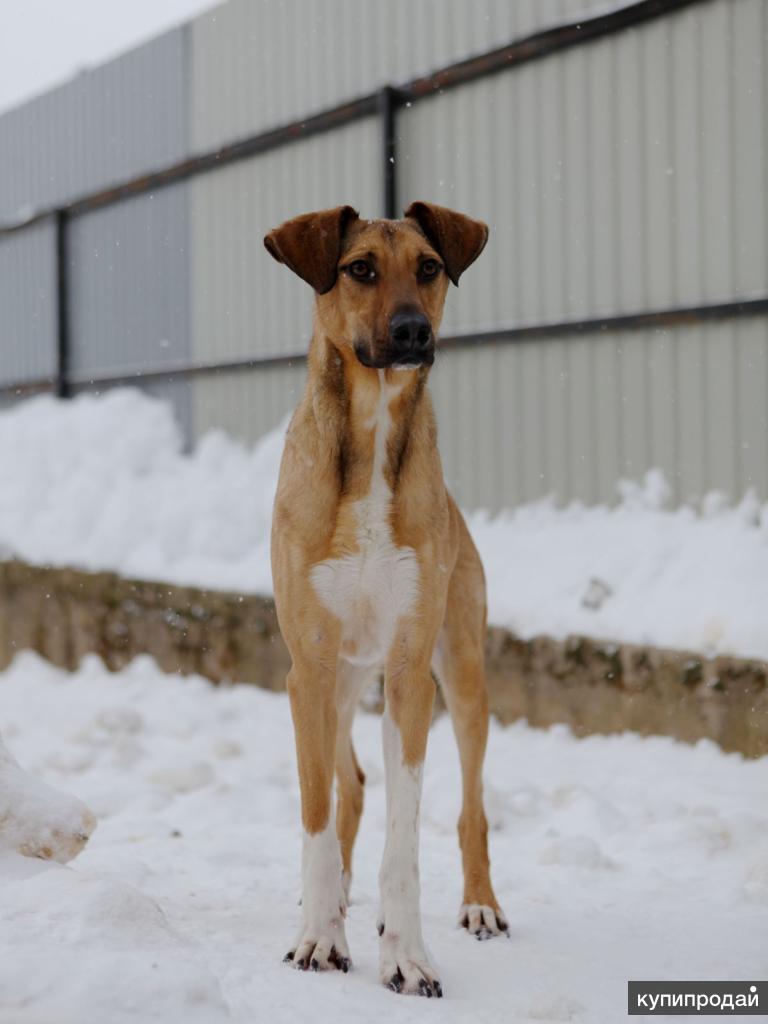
258, 63
623, 175
129, 264
574, 416
28, 304
129, 288
108, 124
129, 285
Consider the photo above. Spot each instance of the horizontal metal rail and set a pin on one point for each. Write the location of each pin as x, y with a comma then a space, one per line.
650, 320
31, 386
520, 51
654, 320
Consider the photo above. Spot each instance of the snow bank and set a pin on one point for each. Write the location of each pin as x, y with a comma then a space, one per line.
637, 573
101, 483
36, 819
614, 858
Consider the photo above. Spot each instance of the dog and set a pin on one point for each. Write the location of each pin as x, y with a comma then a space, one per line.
375, 571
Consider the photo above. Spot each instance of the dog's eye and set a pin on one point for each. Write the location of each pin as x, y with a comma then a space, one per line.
361, 270
429, 269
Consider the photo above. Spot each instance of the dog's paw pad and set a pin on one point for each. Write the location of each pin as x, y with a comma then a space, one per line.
408, 974
483, 921
319, 954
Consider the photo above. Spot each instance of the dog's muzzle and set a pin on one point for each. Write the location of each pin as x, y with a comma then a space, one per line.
410, 344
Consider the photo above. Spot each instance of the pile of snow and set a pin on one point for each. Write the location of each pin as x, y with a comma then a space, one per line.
614, 858
102, 483
637, 573
36, 819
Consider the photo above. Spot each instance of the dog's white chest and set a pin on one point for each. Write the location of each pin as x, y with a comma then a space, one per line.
368, 591
371, 589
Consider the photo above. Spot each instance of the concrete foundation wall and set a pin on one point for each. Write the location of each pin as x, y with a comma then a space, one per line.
592, 686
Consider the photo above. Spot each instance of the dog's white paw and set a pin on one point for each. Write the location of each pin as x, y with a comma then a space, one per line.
321, 944
482, 921
405, 967
321, 949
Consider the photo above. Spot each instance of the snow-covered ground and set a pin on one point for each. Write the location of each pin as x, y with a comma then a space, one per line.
614, 857
101, 483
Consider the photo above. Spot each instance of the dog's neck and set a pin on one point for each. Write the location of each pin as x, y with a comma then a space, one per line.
372, 421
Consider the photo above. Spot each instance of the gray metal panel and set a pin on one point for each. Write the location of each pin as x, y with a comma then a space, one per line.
108, 124
749, 42
623, 175
751, 394
36, 168
129, 285
244, 303
28, 304
246, 405
572, 417
333, 51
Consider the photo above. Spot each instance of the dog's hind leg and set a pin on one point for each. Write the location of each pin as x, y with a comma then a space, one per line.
458, 663
350, 778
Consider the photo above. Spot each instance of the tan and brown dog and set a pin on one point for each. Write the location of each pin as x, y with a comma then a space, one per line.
374, 569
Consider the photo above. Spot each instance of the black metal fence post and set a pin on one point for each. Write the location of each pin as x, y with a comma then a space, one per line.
62, 306
387, 113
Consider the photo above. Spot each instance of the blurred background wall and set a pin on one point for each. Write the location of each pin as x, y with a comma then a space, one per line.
618, 320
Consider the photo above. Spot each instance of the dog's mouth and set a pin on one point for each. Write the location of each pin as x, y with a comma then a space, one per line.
394, 360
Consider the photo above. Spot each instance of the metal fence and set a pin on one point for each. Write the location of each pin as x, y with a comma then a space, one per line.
582, 381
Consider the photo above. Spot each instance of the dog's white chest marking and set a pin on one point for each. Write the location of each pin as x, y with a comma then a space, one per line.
370, 589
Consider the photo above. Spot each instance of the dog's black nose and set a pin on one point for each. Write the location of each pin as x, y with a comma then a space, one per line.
410, 332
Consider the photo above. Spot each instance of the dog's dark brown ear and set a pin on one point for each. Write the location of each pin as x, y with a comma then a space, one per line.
458, 239
310, 245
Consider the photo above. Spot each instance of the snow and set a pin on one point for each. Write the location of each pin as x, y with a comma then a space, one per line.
102, 483
636, 573
36, 819
614, 857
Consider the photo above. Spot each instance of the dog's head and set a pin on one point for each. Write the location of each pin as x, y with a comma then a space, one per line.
380, 284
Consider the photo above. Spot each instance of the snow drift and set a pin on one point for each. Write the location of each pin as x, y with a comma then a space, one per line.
36, 819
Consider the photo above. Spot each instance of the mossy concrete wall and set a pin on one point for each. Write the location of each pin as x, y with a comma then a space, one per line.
591, 685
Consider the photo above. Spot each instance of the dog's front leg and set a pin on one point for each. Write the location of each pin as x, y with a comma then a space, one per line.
404, 964
321, 943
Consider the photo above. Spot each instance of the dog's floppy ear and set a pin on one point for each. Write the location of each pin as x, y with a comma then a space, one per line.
310, 245
458, 239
